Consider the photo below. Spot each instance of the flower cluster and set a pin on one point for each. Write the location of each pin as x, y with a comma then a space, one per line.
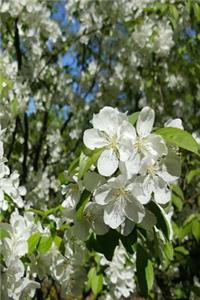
20, 269
120, 273
137, 163
9, 183
16, 281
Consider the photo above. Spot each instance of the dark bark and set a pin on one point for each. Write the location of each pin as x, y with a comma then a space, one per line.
38, 147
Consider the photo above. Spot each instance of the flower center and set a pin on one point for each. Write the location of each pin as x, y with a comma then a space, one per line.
113, 143
152, 169
139, 145
89, 217
75, 188
121, 192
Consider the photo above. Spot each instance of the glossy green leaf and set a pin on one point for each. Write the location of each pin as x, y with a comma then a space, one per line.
182, 250
177, 197
98, 242
85, 198
177, 201
162, 222
145, 272
196, 229
192, 174
33, 242
196, 8
86, 162
169, 251
179, 138
95, 281
57, 240
3, 233
45, 244
178, 191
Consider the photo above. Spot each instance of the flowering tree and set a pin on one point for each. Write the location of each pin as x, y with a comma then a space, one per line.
99, 149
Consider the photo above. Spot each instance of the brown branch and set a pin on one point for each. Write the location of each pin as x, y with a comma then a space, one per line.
38, 148
17, 46
192, 198
13, 137
66, 123
26, 125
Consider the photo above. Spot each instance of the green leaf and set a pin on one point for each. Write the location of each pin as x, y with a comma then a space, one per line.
168, 250
38, 212
73, 166
191, 174
98, 242
96, 281
45, 244
57, 240
14, 106
145, 272
149, 275
177, 197
53, 210
129, 240
182, 250
173, 11
85, 198
177, 201
162, 222
196, 229
179, 138
196, 9
174, 14
111, 240
3, 233
185, 231
178, 191
86, 162
48, 212
90, 275
33, 242
191, 217
133, 117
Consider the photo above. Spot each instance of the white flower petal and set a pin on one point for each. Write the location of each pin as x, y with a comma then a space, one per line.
93, 139
125, 149
145, 121
175, 123
102, 194
162, 194
171, 168
81, 229
114, 214
108, 120
100, 227
127, 227
148, 221
93, 180
132, 166
107, 163
134, 210
156, 145
142, 195
127, 131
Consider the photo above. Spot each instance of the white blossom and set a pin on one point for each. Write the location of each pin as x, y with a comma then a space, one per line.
119, 198
109, 127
